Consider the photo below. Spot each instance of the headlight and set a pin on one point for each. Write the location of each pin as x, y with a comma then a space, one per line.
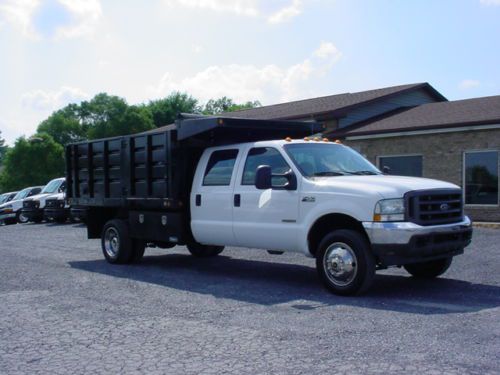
389, 210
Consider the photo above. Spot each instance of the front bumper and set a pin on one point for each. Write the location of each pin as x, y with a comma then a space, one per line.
404, 242
10, 215
33, 213
55, 213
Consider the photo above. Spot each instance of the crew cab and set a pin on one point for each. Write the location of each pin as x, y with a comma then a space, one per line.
208, 183
33, 206
10, 212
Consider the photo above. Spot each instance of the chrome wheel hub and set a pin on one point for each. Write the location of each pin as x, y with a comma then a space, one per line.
111, 243
340, 264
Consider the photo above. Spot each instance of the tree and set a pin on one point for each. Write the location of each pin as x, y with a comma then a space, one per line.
63, 126
164, 111
225, 104
3, 148
32, 161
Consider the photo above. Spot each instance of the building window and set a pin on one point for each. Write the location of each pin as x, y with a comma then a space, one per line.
481, 177
402, 165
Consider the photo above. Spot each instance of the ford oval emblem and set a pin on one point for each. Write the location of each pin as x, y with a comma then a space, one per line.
444, 207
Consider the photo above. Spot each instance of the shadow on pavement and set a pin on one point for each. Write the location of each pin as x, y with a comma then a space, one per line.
269, 283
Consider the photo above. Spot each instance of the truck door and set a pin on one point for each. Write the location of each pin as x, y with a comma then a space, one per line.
212, 198
265, 219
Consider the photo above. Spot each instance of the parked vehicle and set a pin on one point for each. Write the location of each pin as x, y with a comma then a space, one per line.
6, 197
56, 209
10, 212
33, 206
212, 182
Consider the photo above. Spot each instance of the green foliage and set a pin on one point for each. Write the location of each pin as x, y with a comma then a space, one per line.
225, 104
109, 116
164, 111
3, 148
32, 161
63, 127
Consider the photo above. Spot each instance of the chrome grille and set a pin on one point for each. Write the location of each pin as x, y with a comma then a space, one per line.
434, 207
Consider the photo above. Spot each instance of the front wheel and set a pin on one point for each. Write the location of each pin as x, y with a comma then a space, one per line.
430, 269
21, 219
204, 251
345, 263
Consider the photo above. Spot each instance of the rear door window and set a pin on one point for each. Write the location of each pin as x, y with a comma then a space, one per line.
220, 168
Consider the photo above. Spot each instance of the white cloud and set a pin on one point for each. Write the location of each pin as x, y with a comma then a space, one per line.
286, 13
86, 14
490, 2
269, 83
467, 84
39, 100
197, 49
19, 13
243, 7
76, 17
251, 8
327, 50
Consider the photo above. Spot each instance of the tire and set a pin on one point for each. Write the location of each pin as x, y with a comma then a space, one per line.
116, 243
20, 218
61, 220
345, 263
138, 248
204, 251
429, 270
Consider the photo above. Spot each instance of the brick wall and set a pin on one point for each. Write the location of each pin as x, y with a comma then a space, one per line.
442, 157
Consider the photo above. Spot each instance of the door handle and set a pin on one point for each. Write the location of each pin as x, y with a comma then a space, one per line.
237, 200
198, 199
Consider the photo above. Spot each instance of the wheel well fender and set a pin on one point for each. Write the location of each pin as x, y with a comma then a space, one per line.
327, 223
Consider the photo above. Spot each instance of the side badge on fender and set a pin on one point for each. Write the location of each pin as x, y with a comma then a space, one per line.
309, 199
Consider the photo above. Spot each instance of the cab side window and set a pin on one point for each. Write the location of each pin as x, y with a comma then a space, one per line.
220, 168
264, 156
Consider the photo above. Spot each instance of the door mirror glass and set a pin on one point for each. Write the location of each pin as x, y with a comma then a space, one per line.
263, 177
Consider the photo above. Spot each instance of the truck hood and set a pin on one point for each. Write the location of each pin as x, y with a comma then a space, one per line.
385, 186
38, 197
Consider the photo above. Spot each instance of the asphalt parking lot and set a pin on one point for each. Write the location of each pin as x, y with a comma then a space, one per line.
64, 310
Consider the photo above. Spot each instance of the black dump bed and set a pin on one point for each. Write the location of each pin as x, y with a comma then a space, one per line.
154, 169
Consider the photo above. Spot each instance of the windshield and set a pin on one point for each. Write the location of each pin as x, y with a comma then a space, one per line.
51, 187
22, 194
3, 198
321, 160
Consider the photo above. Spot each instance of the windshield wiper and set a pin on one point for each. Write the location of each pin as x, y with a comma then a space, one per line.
361, 172
328, 173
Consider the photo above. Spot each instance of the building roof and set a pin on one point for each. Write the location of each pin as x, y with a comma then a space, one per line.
329, 104
468, 112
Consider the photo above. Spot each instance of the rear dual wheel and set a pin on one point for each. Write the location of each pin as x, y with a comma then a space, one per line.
117, 246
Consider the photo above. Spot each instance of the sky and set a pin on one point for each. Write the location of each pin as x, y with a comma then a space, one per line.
55, 52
